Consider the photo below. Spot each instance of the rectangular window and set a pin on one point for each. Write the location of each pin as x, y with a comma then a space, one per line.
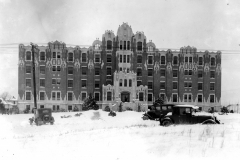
70, 70
162, 72
58, 55
190, 59
200, 61
109, 71
97, 58
28, 69
84, 96
70, 96
97, 84
140, 96
109, 96
54, 55
200, 99
212, 74
128, 45
124, 45
41, 106
186, 59
109, 58
97, 71
84, 70
58, 80
42, 96
200, 73
70, 57
150, 59
84, 83
97, 96
189, 84
212, 98
58, 68
139, 83
175, 85
139, 72
162, 85
120, 58
28, 56
70, 83
58, 95
84, 57
175, 73
139, 59
124, 58
186, 72
200, 86
185, 98
150, 97
42, 56
28, 82
53, 95
28, 95
190, 72
189, 98
150, 72
125, 82
128, 58
150, 85
162, 95
212, 86
42, 69
185, 84
42, 82
54, 68
175, 98
162, 59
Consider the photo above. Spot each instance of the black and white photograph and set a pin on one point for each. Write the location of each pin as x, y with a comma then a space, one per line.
119, 79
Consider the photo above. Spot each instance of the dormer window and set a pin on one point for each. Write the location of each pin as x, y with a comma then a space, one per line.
70, 57
84, 57
28, 56
212, 61
97, 46
150, 48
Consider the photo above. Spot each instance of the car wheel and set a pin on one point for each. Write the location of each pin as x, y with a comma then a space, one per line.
209, 122
166, 123
145, 118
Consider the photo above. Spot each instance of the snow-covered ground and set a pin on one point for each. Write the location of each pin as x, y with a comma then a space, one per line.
95, 135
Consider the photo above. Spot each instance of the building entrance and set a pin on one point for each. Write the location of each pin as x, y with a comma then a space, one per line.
125, 97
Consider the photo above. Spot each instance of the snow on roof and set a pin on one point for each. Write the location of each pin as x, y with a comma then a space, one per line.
187, 105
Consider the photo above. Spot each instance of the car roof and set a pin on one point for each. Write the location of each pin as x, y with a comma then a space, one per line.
186, 105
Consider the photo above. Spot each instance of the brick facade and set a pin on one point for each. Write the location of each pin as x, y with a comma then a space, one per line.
66, 70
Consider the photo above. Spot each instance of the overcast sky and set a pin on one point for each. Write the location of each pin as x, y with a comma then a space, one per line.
204, 24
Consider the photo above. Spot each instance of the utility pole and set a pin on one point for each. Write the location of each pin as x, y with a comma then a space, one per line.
33, 71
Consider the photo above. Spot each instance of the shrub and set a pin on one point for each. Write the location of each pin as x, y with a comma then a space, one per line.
107, 109
75, 109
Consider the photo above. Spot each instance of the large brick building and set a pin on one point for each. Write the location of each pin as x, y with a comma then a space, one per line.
122, 67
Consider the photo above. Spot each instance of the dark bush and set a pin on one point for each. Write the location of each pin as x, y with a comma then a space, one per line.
107, 109
129, 109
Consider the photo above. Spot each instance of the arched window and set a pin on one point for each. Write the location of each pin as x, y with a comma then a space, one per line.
120, 45
175, 60
130, 83
212, 61
139, 46
125, 82
70, 57
128, 45
120, 82
84, 57
109, 45
150, 48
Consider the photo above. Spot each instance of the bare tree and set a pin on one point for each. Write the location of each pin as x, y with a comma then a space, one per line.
5, 96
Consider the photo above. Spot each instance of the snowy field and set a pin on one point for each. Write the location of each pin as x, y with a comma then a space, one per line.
97, 136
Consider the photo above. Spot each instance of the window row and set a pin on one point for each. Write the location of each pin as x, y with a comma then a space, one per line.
125, 83
124, 58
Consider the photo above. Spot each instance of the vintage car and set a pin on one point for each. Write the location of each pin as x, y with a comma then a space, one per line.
186, 114
42, 116
157, 111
